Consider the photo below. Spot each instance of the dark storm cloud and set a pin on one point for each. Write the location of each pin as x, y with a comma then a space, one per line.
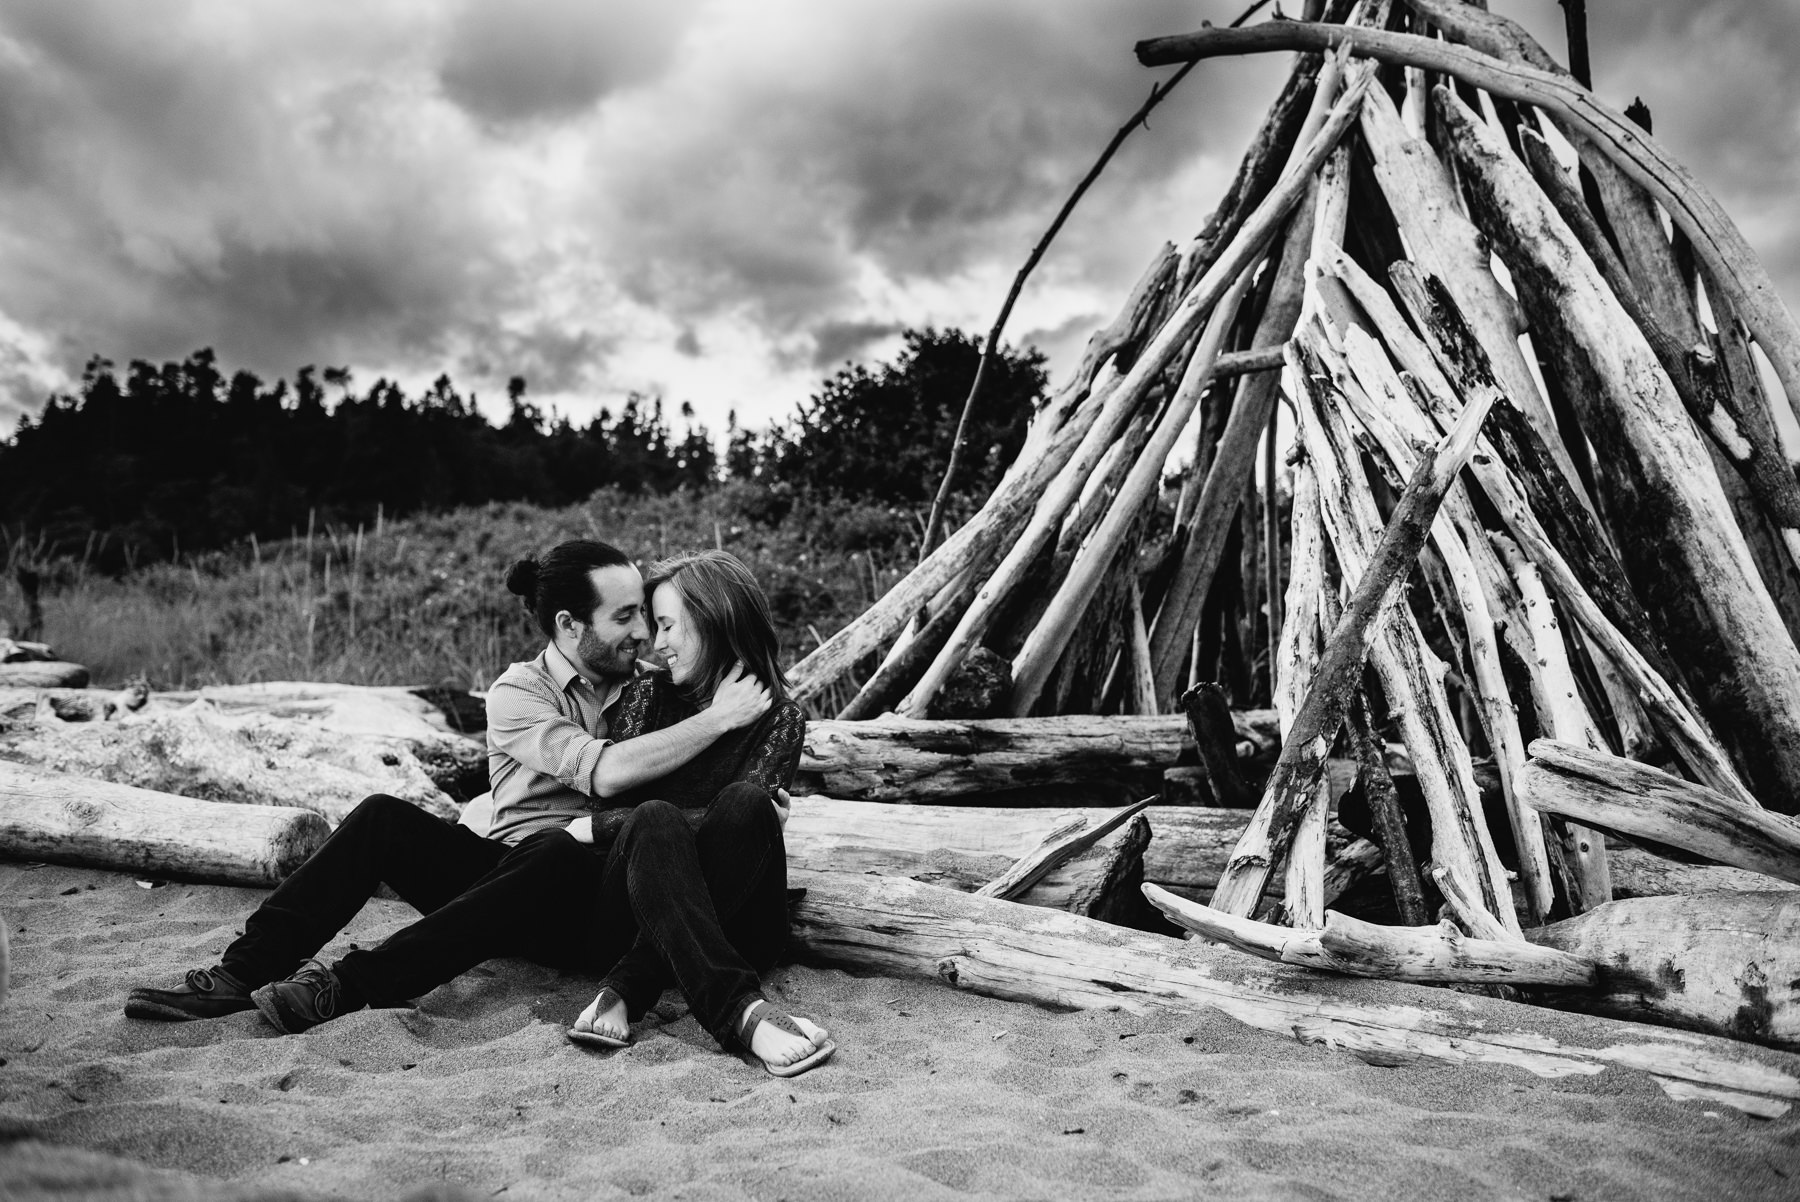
507, 62
177, 199
836, 341
944, 138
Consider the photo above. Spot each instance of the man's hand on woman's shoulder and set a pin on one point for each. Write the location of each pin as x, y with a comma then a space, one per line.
740, 700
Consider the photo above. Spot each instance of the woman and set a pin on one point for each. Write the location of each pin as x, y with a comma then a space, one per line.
724, 808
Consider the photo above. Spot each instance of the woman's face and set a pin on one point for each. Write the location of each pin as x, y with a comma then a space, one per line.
676, 641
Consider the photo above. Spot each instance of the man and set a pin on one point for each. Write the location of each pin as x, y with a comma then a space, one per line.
530, 889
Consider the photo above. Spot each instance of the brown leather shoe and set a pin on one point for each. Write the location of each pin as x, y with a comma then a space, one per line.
206, 993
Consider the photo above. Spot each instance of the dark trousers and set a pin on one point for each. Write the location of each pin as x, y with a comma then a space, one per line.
478, 898
701, 907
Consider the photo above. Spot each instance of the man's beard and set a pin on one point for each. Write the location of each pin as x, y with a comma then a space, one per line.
604, 659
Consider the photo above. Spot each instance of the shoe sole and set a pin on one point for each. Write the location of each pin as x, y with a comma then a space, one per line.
593, 1039
799, 1066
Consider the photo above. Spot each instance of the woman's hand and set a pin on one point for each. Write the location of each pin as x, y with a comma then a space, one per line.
739, 700
784, 806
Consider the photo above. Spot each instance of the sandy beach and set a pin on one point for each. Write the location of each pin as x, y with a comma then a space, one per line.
935, 1093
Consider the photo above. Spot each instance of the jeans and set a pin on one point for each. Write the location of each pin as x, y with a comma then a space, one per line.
703, 907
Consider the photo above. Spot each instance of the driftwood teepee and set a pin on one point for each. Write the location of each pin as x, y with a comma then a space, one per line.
1499, 367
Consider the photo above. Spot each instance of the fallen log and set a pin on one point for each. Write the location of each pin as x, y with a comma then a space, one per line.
922, 760
965, 847
1430, 955
1032, 954
95, 824
1634, 799
43, 674
1728, 963
253, 757
1637, 872
1057, 848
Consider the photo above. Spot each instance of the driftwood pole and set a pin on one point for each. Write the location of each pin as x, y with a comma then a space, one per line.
1681, 544
1695, 212
1291, 786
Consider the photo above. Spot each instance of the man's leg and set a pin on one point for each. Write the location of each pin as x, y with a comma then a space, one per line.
539, 900
384, 840
425, 860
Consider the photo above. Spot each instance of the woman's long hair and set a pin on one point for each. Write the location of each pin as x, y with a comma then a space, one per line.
729, 613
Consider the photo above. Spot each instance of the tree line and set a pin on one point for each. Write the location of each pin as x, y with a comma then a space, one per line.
162, 459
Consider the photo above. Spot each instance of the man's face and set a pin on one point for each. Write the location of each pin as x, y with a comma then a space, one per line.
609, 643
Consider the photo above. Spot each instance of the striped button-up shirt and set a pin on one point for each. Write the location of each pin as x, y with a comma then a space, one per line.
546, 730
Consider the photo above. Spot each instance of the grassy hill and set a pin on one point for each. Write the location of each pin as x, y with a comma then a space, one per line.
421, 601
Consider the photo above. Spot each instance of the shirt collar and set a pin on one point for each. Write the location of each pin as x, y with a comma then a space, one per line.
564, 673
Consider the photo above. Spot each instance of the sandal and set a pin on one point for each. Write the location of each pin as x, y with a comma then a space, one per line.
606, 999
762, 1011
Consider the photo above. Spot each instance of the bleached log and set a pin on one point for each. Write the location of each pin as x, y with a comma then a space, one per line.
1057, 848
1640, 873
1471, 911
1562, 716
1695, 212
1465, 605
1204, 536
903, 759
95, 824
1728, 963
965, 847
1032, 954
1753, 470
1445, 243
1679, 539
326, 763
43, 674
1624, 644
1410, 675
1637, 800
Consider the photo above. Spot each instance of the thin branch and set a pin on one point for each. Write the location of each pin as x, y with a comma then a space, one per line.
988, 351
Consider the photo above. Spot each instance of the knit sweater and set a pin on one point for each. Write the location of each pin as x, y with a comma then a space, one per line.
765, 753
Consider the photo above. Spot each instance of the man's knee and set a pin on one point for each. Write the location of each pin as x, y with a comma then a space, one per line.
378, 811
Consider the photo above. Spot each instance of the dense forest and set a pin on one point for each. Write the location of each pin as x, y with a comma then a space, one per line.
160, 460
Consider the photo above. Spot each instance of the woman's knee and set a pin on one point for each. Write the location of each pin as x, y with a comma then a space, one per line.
742, 805
653, 819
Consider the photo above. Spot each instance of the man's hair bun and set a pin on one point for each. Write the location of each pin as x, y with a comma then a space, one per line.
522, 578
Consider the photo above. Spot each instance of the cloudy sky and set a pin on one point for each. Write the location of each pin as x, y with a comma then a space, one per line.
717, 201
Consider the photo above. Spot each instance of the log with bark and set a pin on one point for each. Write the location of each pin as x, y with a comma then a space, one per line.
908, 760
1033, 954
96, 824
965, 847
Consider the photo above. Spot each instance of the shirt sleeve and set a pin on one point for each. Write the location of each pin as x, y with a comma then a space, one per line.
776, 756
525, 724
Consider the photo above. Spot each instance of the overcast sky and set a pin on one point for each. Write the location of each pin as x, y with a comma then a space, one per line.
717, 201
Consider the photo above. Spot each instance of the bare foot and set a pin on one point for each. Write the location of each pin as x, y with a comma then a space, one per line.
782, 1041
603, 1022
